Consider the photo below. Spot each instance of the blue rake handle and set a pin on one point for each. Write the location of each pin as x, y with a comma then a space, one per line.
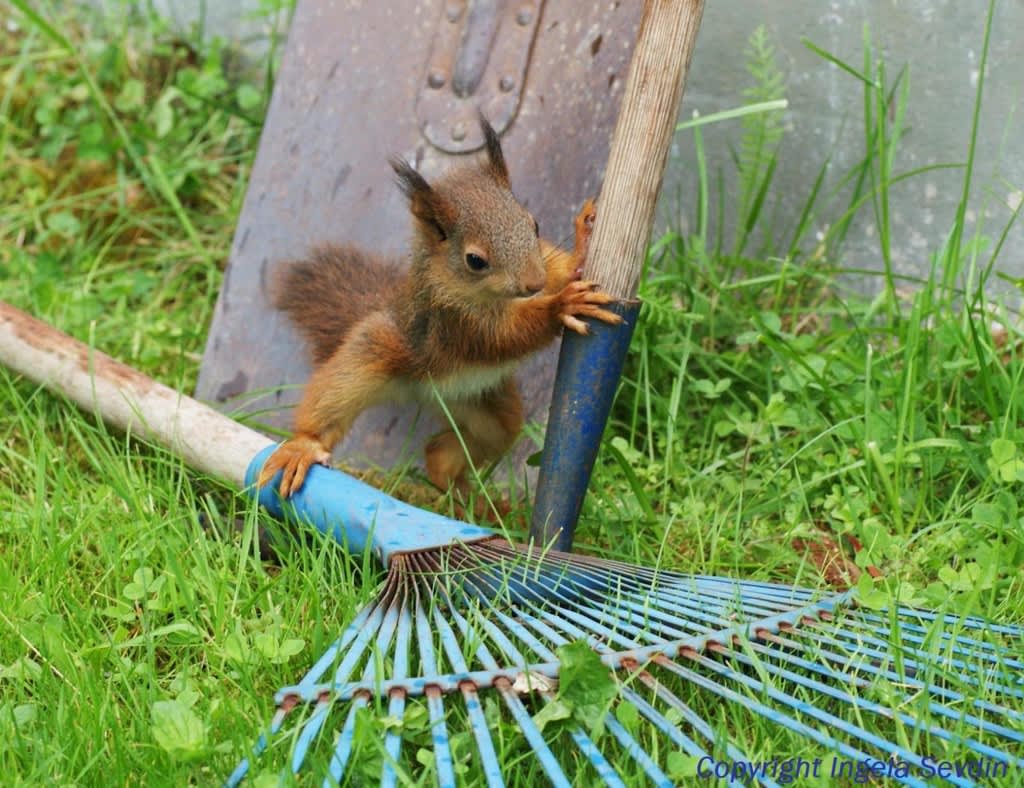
588, 373
357, 515
361, 517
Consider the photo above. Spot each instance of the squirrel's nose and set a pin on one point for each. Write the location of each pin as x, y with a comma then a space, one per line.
533, 283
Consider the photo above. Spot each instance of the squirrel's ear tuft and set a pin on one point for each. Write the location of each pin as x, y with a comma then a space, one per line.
495, 158
426, 204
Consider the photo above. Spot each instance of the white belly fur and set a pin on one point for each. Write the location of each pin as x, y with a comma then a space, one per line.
468, 382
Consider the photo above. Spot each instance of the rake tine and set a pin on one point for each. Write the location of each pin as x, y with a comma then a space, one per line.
535, 738
789, 700
907, 623
583, 741
781, 718
969, 622
752, 601
725, 692
628, 743
589, 749
652, 714
673, 732
435, 704
638, 753
357, 639
396, 705
309, 730
861, 703
958, 645
343, 748
527, 726
656, 718
565, 604
903, 681
478, 723
585, 744
925, 662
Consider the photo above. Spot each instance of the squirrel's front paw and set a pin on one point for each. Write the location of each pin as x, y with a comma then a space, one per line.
582, 299
584, 225
294, 457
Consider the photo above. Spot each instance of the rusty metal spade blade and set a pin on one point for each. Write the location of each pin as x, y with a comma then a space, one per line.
363, 81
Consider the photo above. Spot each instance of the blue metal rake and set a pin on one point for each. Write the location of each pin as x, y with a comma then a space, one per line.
464, 615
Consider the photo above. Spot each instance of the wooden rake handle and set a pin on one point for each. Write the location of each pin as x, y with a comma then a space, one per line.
641, 142
589, 367
353, 513
127, 399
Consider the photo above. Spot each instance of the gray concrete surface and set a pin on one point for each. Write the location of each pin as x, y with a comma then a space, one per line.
940, 42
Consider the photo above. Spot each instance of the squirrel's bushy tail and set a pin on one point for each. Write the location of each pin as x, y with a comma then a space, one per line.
327, 293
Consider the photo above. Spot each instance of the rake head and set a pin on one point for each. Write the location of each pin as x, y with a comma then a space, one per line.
748, 681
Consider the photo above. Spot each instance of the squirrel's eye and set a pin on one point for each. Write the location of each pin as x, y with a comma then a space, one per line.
536, 228
476, 262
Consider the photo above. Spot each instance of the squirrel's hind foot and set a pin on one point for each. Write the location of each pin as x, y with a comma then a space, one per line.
446, 462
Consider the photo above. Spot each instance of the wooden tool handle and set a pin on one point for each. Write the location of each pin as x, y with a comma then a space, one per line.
640, 145
126, 398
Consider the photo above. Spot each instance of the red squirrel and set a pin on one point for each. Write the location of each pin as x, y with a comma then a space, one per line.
483, 291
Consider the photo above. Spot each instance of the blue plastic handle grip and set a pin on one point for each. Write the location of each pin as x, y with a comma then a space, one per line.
357, 515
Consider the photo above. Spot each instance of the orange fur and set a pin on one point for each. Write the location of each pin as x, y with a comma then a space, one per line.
442, 328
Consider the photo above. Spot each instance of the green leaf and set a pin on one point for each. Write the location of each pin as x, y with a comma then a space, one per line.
425, 757
92, 142
988, 514
1004, 463
178, 730
266, 780
870, 596
248, 97
724, 427
555, 710
771, 321
236, 647
948, 575
711, 389
22, 669
132, 94
162, 118
681, 766
291, 646
1002, 450
24, 714
628, 715
585, 684
276, 650
64, 223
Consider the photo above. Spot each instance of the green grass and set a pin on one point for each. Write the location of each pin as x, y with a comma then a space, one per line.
764, 402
